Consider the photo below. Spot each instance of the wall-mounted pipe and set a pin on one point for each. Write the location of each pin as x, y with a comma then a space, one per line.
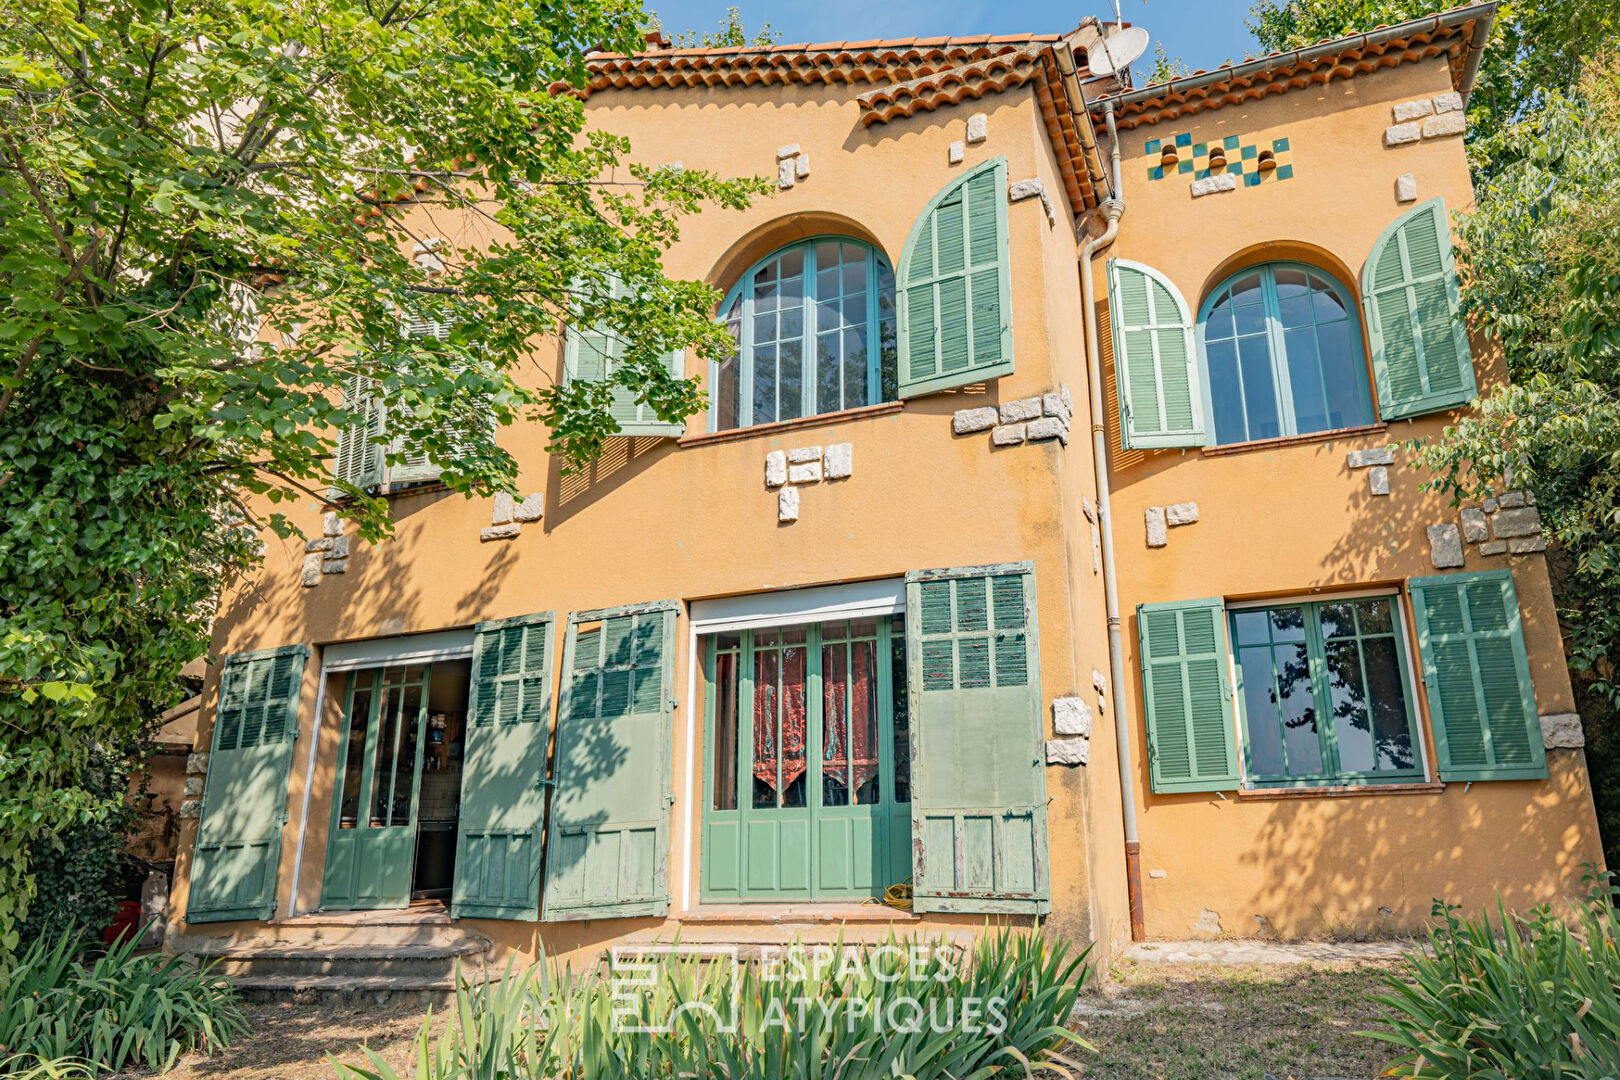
1112, 211
1069, 74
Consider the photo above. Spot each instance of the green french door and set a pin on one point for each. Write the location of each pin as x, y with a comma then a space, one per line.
371, 847
809, 762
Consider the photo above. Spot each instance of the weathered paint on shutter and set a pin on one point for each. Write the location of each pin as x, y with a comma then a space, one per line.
607, 849
503, 803
1156, 372
1477, 675
1192, 740
411, 464
955, 285
359, 457
238, 849
978, 778
592, 354
1420, 353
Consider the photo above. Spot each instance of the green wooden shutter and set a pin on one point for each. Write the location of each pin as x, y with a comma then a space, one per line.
1419, 342
411, 464
1481, 700
503, 791
978, 775
592, 354
607, 850
1156, 374
1192, 740
955, 317
238, 849
359, 457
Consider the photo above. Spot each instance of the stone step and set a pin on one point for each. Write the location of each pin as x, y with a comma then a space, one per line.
357, 990
403, 959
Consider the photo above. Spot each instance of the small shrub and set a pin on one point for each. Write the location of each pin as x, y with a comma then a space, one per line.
1511, 997
804, 1022
110, 1012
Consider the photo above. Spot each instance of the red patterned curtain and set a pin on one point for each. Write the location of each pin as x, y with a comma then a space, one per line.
850, 711
779, 681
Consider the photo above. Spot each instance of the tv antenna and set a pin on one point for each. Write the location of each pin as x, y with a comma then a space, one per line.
1112, 54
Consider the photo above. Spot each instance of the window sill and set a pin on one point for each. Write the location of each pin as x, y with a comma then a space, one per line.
1349, 792
805, 911
1295, 440
865, 412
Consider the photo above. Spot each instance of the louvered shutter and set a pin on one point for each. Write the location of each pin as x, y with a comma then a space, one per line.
238, 849
411, 464
592, 354
1481, 700
607, 850
955, 309
1421, 358
1192, 741
978, 777
359, 457
1161, 400
503, 803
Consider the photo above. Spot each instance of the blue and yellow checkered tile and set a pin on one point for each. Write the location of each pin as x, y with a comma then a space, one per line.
1242, 159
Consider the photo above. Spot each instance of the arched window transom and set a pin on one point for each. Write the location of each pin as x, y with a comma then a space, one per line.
1282, 354
815, 330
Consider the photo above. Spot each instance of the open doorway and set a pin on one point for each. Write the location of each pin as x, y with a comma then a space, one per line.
440, 801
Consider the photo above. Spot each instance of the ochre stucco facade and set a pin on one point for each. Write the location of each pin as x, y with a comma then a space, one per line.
693, 520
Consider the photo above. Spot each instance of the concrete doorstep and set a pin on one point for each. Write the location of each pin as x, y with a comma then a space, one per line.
1251, 951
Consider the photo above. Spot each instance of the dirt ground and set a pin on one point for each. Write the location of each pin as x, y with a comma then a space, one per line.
1159, 1021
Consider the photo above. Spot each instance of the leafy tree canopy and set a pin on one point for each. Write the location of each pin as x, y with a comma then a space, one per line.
179, 177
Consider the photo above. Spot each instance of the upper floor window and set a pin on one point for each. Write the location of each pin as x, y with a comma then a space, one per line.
1283, 356
815, 330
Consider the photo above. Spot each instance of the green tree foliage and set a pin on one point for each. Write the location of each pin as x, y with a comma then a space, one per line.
1165, 67
731, 33
180, 176
1536, 47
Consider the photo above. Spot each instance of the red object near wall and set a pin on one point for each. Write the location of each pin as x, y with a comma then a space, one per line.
126, 924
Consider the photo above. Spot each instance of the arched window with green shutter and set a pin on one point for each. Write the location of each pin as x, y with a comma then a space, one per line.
594, 353
955, 287
1155, 367
1419, 342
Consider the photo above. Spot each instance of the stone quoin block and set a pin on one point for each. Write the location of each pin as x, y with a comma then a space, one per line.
1450, 101
1014, 412
800, 455
1413, 110
790, 150
502, 512
787, 504
807, 473
1524, 521
1047, 427
776, 468
1008, 435
1052, 405
191, 809
1099, 682
1493, 547
1378, 480
339, 548
1157, 537
1490, 506
967, 421
1363, 459
839, 461
530, 507
500, 532
1019, 190
978, 128
324, 543
312, 570
1181, 514
1071, 716
1209, 185
1088, 508
1474, 526
1562, 731
1406, 188
801, 166
786, 173
1527, 545
331, 524
194, 787
1444, 125
956, 152
1445, 546
335, 566
1403, 134
1068, 751
1510, 500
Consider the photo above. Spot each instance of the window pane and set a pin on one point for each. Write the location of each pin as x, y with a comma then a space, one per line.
790, 368
1226, 393
1259, 391
725, 729
829, 371
1386, 692
901, 708
1291, 284
1338, 620
1347, 696
1297, 704
1218, 324
1252, 627
1305, 381
1294, 311
727, 390
854, 368
1287, 624
835, 717
766, 736
764, 384
382, 766
1326, 301
1374, 616
1260, 713
354, 760
1344, 374
794, 721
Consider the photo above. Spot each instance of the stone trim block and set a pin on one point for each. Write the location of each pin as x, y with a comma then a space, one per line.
1363, 459
1445, 546
1403, 134
1052, 405
956, 153
839, 461
801, 166
790, 150
776, 468
339, 549
1528, 545
787, 504
1099, 682
1413, 110
1450, 101
322, 544
1047, 427
1444, 125
502, 512
530, 507
193, 787
786, 173
1008, 435
1210, 185
1069, 752
1157, 537
1493, 547
802, 454
1013, 412
1474, 526
311, 575
807, 473
508, 531
1071, 716
1524, 521
1088, 509
967, 421
191, 809
1510, 500
331, 524
1378, 480
197, 764
335, 566
1562, 731
1406, 188
978, 128
1185, 513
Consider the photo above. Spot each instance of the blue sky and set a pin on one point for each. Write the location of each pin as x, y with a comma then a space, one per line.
1204, 33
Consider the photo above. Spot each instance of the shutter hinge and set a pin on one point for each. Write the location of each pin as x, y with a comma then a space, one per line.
544, 782
669, 799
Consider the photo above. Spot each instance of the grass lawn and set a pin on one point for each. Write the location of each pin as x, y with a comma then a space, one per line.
1154, 1022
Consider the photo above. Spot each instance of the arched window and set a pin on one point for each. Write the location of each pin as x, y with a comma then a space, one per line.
814, 326
1282, 355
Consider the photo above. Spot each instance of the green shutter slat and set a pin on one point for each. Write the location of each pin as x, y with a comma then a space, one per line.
1156, 371
1192, 738
1420, 353
977, 765
498, 840
359, 458
1476, 670
591, 354
238, 846
606, 849
954, 306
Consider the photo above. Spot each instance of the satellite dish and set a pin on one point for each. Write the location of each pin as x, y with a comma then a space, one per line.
1108, 55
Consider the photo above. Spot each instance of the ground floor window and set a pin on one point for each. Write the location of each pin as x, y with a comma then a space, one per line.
809, 761
1322, 691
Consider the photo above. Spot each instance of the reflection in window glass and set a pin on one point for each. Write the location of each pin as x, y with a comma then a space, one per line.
1282, 356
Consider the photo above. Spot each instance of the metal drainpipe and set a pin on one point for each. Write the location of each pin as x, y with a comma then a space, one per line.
1113, 209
